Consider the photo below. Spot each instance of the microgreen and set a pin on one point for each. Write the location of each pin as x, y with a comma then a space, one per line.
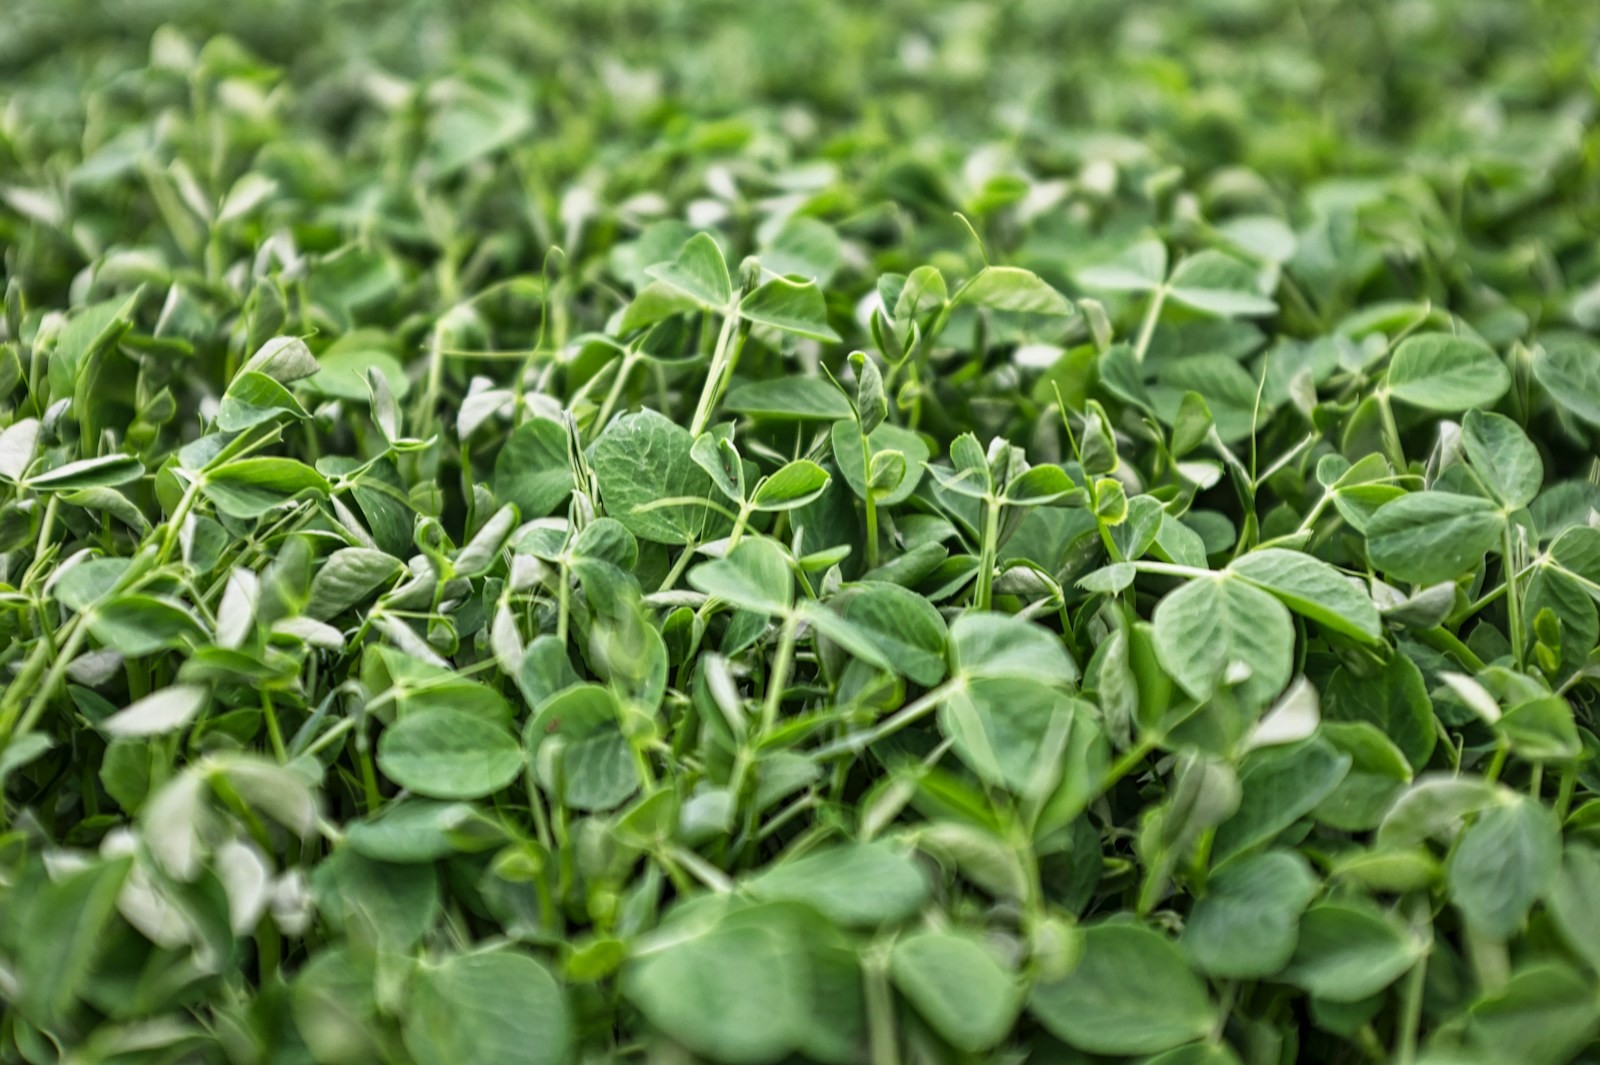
800, 532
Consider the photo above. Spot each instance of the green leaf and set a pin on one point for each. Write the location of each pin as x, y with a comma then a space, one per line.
1000, 726
138, 625
416, 831
1432, 537
792, 306
1438, 371
1010, 288
1574, 902
248, 488
1217, 283
1311, 587
347, 578
958, 986
448, 755
800, 398
754, 576
1393, 699
1247, 923
794, 485
1142, 267
17, 445
872, 405
68, 921
1504, 862
903, 626
1042, 486
253, 398
87, 333
1569, 369
1132, 993
283, 359
642, 458
846, 439
105, 471
857, 885
700, 272
1349, 951
344, 370
1001, 646
720, 459
736, 992
496, 1007
1503, 456
1216, 628
532, 469
1543, 1015
1280, 785
159, 712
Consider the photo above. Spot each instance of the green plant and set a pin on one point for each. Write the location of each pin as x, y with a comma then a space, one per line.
1070, 535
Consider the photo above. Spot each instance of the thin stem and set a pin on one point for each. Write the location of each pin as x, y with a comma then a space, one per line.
175, 526
984, 595
624, 371
1444, 640
1391, 431
1411, 993
678, 566
1569, 781
780, 676
274, 732
563, 602
881, 1034
923, 706
1497, 763
74, 632
871, 503
1147, 328
712, 391
1519, 636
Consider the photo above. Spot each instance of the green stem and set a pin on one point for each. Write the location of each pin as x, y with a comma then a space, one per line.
1569, 781
273, 731
881, 1036
739, 524
1497, 763
74, 632
1444, 640
712, 392
780, 677
563, 602
174, 527
1391, 431
858, 741
624, 371
1147, 328
984, 595
1411, 994
1519, 636
678, 566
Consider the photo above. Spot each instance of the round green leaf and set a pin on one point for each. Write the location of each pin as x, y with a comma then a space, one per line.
1432, 537
532, 469
855, 884
958, 986
1214, 628
1132, 993
448, 755
1442, 372
494, 1008
1349, 951
1246, 925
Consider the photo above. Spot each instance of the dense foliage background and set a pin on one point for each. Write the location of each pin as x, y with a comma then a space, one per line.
807, 531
